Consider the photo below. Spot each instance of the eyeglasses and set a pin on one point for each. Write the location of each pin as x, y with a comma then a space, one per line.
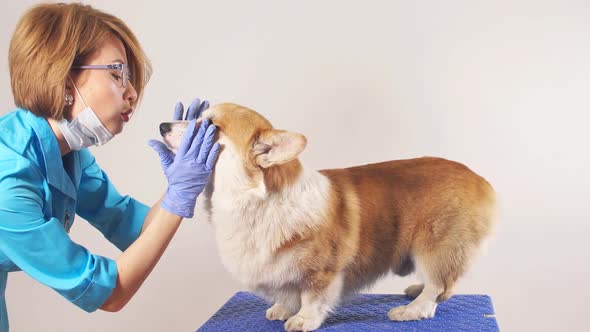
123, 68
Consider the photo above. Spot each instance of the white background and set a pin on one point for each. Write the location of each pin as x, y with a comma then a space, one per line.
501, 86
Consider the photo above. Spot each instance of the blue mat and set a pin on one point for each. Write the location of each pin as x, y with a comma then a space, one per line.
366, 312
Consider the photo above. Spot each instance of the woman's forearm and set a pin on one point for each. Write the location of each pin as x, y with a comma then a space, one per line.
136, 263
150, 215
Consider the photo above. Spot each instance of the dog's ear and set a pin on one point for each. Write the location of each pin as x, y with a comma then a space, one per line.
276, 147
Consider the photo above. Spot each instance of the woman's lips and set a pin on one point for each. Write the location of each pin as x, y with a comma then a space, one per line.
125, 116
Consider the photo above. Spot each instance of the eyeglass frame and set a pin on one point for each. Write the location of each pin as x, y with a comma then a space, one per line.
123, 67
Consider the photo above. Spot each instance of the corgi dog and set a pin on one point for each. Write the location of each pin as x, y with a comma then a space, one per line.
306, 239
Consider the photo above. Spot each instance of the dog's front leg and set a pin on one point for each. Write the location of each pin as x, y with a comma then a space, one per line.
316, 302
287, 303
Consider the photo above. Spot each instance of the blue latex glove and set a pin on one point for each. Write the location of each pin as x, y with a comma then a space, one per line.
194, 112
189, 172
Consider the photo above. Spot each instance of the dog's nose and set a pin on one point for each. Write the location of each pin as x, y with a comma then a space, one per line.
165, 127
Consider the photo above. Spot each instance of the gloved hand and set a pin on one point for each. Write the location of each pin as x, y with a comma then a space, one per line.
189, 171
194, 112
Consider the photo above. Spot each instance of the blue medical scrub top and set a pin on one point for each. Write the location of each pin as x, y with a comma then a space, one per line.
39, 195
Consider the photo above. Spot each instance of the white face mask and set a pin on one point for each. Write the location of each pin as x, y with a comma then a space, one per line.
85, 129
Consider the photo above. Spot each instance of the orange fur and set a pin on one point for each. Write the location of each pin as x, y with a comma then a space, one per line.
378, 218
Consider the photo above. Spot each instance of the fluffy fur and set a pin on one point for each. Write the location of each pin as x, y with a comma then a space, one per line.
305, 239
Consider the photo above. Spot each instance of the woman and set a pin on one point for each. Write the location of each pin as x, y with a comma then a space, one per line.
77, 74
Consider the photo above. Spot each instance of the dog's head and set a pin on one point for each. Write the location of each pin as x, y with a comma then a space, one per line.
253, 152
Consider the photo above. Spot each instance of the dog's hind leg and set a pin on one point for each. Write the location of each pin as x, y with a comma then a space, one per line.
424, 306
414, 291
439, 268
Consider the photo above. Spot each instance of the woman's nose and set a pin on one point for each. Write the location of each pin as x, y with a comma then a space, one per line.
130, 93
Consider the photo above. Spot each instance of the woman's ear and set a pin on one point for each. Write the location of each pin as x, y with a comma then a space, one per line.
69, 97
69, 85
276, 147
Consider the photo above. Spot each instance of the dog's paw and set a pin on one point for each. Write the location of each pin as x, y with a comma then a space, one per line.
300, 323
278, 312
412, 312
414, 290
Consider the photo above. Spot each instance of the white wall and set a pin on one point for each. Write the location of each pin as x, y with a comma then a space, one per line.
501, 86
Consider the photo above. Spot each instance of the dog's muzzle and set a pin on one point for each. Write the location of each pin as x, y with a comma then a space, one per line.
172, 132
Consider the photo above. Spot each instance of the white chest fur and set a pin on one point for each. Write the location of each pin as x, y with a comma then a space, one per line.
250, 225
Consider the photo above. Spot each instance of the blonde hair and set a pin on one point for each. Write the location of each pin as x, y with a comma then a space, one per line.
49, 39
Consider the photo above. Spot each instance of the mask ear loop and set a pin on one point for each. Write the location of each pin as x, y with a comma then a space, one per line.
77, 92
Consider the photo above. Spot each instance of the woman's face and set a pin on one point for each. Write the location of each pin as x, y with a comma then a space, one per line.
102, 89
